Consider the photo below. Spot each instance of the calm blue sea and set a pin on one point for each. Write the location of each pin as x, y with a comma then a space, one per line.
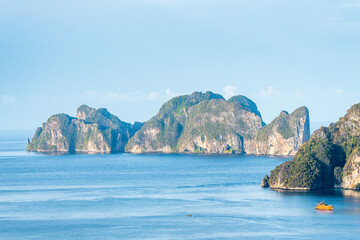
123, 196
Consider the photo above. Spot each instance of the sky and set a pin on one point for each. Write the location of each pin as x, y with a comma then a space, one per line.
132, 56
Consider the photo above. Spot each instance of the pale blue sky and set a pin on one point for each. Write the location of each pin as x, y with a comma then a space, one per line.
131, 56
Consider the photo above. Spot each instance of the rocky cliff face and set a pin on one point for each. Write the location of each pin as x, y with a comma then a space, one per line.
283, 136
195, 123
207, 123
218, 126
162, 132
351, 172
330, 159
93, 130
53, 135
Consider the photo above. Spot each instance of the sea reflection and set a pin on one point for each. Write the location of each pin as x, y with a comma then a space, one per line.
351, 194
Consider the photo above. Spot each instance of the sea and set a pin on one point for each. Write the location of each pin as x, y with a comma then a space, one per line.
158, 196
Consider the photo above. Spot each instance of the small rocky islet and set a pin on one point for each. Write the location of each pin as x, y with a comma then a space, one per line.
196, 123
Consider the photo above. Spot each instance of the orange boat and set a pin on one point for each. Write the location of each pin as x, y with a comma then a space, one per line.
324, 206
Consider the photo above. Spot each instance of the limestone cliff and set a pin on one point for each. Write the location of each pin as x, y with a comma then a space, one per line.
283, 136
93, 130
351, 172
330, 159
207, 123
218, 126
162, 132
195, 123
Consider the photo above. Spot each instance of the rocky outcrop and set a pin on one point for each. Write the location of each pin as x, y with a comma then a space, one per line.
93, 130
283, 136
218, 126
330, 159
265, 182
207, 123
351, 172
162, 132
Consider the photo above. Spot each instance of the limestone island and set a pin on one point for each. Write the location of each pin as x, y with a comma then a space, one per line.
196, 123
92, 131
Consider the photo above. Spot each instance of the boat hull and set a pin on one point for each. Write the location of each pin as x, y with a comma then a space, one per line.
324, 208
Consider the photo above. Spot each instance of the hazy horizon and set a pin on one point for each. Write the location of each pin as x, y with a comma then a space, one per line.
132, 56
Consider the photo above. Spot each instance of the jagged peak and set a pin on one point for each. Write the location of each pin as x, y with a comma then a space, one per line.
284, 123
283, 113
241, 99
246, 103
84, 111
297, 113
103, 111
199, 96
61, 116
208, 95
186, 101
301, 111
354, 112
100, 116
355, 107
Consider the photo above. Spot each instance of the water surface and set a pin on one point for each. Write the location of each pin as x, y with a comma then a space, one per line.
124, 196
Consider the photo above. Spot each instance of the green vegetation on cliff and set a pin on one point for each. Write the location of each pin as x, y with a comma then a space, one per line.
94, 130
167, 126
199, 122
41, 136
312, 167
285, 124
219, 124
320, 162
178, 105
245, 103
206, 122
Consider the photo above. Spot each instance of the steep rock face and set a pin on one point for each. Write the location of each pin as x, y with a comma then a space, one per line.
54, 135
351, 171
162, 132
94, 130
283, 136
218, 126
330, 159
83, 112
265, 182
207, 123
